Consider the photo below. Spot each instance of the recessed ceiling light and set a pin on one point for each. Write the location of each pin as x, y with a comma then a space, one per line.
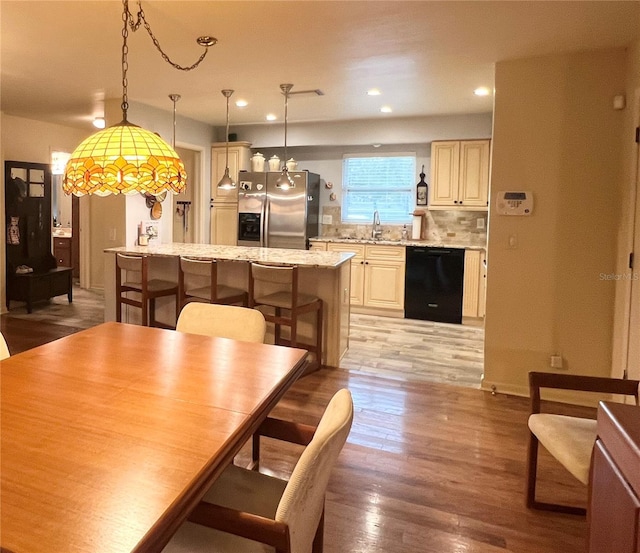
271, 117
373, 92
99, 123
482, 91
242, 103
386, 109
376, 145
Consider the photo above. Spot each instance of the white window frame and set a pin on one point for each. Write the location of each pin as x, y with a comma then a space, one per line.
407, 189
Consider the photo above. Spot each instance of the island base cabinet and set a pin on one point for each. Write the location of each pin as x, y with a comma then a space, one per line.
615, 516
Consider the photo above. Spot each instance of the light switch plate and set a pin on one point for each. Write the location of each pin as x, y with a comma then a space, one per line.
327, 219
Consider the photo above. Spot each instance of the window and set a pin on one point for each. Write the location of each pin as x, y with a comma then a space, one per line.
383, 183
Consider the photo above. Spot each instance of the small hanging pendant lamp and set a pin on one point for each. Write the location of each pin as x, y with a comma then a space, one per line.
284, 180
226, 182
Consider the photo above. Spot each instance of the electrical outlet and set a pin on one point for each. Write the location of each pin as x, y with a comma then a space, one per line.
555, 361
480, 223
112, 234
327, 219
513, 242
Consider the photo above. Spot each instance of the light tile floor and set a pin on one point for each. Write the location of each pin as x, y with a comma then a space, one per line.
394, 348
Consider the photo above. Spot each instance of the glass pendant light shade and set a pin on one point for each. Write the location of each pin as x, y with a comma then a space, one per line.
226, 182
124, 159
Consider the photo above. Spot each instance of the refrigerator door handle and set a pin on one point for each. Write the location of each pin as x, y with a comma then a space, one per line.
264, 236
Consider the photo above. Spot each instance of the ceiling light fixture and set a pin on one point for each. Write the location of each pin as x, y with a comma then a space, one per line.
226, 182
271, 117
284, 180
125, 158
99, 123
481, 91
242, 103
373, 92
386, 109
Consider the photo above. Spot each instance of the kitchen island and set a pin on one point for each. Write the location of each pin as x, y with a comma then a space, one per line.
324, 274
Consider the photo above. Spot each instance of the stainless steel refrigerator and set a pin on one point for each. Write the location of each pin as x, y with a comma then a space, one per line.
273, 217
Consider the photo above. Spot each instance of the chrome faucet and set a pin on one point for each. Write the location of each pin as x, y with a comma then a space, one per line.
376, 233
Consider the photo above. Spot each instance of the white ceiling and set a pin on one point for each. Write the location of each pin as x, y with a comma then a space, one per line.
60, 59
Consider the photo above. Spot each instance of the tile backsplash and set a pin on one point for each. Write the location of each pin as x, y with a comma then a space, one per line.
441, 226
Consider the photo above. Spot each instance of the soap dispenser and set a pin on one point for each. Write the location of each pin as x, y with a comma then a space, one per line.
404, 232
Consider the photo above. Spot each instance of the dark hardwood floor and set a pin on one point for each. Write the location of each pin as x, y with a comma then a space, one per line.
428, 467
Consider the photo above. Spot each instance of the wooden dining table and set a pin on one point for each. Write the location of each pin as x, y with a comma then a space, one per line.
110, 437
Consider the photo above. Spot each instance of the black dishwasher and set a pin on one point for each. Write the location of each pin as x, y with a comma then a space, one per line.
433, 284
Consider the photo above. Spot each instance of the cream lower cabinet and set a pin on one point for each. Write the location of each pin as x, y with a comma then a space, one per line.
377, 275
317, 246
224, 224
473, 296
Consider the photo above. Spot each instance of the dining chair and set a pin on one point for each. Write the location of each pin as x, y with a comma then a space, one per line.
245, 506
224, 321
148, 289
4, 349
568, 439
198, 281
276, 287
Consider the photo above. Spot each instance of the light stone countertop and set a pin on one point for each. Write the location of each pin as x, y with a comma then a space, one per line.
408, 242
301, 258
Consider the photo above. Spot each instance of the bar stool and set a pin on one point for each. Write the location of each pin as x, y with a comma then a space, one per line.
149, 290
198, 281
277, 287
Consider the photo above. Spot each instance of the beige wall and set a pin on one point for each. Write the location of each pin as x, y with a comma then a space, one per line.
556, 134
29, 140
627, 322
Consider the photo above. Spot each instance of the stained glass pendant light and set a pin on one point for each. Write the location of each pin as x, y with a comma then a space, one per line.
226, 182
125, 158
284, 180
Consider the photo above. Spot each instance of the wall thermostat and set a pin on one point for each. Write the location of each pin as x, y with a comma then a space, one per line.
514, 203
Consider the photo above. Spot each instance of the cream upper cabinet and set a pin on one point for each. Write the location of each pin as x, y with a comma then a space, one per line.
377, 275
239, 155
459, 174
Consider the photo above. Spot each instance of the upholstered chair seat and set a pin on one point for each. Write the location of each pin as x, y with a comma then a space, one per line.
223, 321
4, 350
569, 439
287, 517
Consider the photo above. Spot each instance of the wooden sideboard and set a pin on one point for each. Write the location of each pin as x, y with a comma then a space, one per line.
614, 490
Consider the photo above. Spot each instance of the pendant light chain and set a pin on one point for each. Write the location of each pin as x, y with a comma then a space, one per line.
286, 109
286, 88
126, 15
228, 94
129, 22
141, 19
